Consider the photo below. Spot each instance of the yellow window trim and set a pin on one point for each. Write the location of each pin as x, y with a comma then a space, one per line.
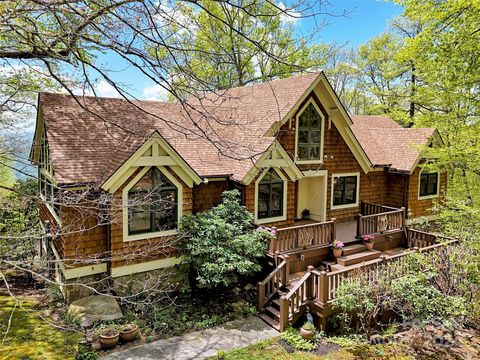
322, 129
179, 186
274, 157
357, 195
284, 207
137, 159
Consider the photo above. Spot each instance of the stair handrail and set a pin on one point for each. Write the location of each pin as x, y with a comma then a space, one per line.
294, 299
267, 288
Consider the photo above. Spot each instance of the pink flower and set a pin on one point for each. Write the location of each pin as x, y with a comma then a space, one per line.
274, 232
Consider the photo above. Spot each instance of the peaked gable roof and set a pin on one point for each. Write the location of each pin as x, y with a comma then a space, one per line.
387, 144
219, 133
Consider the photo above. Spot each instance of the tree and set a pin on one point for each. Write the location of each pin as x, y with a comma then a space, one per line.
222, 244
234, 43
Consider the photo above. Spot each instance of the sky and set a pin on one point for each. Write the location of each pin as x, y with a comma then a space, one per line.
364, 20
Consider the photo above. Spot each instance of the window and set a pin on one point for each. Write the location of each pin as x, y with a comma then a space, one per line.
309, 136
152, 204
270, 195
345, 190
428, 184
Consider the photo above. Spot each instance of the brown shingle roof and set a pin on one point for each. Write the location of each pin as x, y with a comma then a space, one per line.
219, 134
388, 144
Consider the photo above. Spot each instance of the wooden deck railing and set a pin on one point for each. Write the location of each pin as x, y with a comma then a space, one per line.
376, 219
292, 303
302, 236
272, 283
321, 286
374, 209
422, 239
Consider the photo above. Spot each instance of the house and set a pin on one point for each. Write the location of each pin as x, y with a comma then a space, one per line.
296, 155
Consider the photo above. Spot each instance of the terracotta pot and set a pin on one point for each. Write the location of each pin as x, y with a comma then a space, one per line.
129, 333
369, 245
306, 334
337, 252
109, 338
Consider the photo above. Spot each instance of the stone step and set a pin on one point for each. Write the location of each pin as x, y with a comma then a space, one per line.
358, 257
274, 324
275, 313
353, 249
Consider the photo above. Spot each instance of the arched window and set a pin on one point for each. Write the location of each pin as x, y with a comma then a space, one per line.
152, 204
309, 140
270, 195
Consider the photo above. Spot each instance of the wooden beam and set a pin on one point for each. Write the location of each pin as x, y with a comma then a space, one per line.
155, 161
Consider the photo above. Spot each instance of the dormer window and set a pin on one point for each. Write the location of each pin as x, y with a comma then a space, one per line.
309, 137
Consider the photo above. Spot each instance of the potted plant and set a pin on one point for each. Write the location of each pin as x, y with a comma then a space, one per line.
337, 247
305, 214
129, 332
109, 337
368, 240
307, 330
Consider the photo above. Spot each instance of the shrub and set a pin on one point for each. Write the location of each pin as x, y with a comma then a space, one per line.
293, 338
222, 244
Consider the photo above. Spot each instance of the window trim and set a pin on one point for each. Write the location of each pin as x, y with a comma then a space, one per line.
322, 132
284, 205
357, 195
426, 197
149, 235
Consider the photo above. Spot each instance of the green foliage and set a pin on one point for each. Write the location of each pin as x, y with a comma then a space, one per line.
222, 244
420, 301
221, 57
83, 353
293, 338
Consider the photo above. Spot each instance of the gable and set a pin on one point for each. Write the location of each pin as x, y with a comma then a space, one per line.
275, 157
154, 152
334, 113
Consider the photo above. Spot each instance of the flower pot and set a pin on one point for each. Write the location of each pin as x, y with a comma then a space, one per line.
109, 338
369, 245
306, 334
337, 252
129, 333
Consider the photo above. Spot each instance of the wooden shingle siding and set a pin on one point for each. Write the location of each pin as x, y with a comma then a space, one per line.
84, 236
421, 207
206, 196
338, 158
132, 252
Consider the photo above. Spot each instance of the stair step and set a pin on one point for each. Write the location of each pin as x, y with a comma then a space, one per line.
394, 251
358, 257
353, 249
337, 267
274, 324
273, 311
276, 303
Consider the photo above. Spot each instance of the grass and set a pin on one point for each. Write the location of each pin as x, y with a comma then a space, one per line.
29, 336
272, 349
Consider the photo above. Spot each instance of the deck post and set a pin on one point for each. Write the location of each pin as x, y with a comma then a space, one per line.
334, 230
359, 226
286, 271
260, 295
284, 313
404, 216
323, 287
309, 284
274, 241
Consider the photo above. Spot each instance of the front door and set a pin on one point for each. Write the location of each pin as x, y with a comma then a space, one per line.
312, 195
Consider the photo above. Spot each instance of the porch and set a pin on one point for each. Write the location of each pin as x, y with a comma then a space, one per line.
306, 275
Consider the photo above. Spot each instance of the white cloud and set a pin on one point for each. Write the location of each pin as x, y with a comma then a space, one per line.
289, 16
104, 89
155, 92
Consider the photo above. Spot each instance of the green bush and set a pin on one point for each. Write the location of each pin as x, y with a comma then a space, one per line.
222, 244
293, 338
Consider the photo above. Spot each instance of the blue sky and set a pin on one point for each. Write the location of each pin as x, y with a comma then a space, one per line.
365, 19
